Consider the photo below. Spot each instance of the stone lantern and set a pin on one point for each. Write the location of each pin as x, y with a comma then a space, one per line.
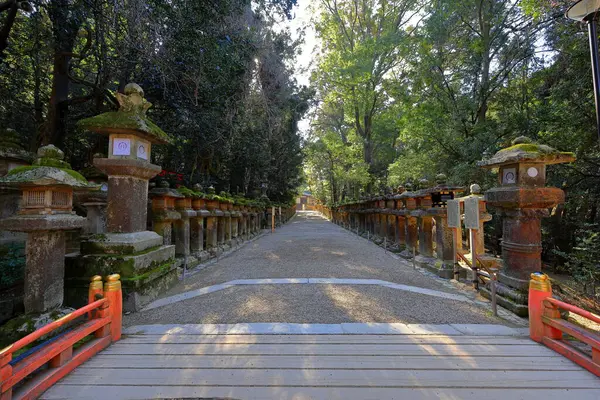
146, 264
164, 215
522, 199
131, 135
444, 249
409, 206
45, 213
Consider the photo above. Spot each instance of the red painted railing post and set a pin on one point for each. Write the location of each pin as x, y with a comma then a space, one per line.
552, 311
539, 290
114, 295
5, 373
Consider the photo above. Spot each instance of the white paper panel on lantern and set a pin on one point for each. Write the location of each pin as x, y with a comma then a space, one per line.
121, 147
472, 213
142, 151
453, 208
509, 176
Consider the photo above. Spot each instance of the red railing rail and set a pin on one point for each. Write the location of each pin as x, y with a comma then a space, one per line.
546, 325
104, 317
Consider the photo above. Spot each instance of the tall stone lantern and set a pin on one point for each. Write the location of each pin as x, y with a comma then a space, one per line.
45, 213
144, 262
522, 199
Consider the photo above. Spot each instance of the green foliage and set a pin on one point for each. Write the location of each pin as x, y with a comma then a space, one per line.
12, 264
582, 263
217, 74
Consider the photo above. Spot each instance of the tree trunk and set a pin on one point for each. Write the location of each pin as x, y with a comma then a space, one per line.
8, 24
64, 28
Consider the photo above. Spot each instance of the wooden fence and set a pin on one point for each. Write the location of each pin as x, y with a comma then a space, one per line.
26, 375
546, 326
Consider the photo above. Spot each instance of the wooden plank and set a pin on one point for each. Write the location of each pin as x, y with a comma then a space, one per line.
333, 377
36, 386
302, 393
557, 363
328, 339
41, 357
333, 349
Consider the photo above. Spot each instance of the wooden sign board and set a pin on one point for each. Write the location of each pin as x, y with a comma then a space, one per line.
453, 209
472, 213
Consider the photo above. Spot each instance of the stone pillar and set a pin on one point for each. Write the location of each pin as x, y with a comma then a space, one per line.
45, 269
212, 227
401, 230
229, 225
223, 227
212, 240
412, 236
197, 229
164, 215
96, 217
522, 199
183, 231
444, 250
412, 233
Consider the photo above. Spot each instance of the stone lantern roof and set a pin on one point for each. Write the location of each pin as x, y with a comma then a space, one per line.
11, 146
48, 170
524, 150
129, 119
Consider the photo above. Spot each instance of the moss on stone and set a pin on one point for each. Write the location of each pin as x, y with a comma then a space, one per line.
156, 270
50, 152
52, 162
26, 168
188, 192
125, 120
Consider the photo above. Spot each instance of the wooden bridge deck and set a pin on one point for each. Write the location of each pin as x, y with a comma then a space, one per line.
144, 366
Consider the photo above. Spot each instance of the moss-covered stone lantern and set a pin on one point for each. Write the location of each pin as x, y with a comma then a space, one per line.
45, 213
144, 262
131, 135
523, 199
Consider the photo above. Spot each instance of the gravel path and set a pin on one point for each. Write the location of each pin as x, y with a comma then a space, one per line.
312, 247
326, 304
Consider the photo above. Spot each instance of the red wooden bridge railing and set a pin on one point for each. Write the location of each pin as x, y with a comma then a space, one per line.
547, 327
50, 361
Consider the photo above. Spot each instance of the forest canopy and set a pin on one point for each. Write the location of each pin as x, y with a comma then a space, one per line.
219, 75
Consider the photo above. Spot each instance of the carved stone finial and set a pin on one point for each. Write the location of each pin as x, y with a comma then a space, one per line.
133, 100
521, 140
51, 151
475, 189
441, 179
163, 184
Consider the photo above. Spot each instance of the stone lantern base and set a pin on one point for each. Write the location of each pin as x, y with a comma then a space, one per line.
147, 267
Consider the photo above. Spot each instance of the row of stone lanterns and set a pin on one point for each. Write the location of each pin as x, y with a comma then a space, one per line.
416, 222
204, 225
405, 221
147, 260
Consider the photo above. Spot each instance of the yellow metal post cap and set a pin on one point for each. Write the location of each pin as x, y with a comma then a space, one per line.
539, 281
113, 283
96, 282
